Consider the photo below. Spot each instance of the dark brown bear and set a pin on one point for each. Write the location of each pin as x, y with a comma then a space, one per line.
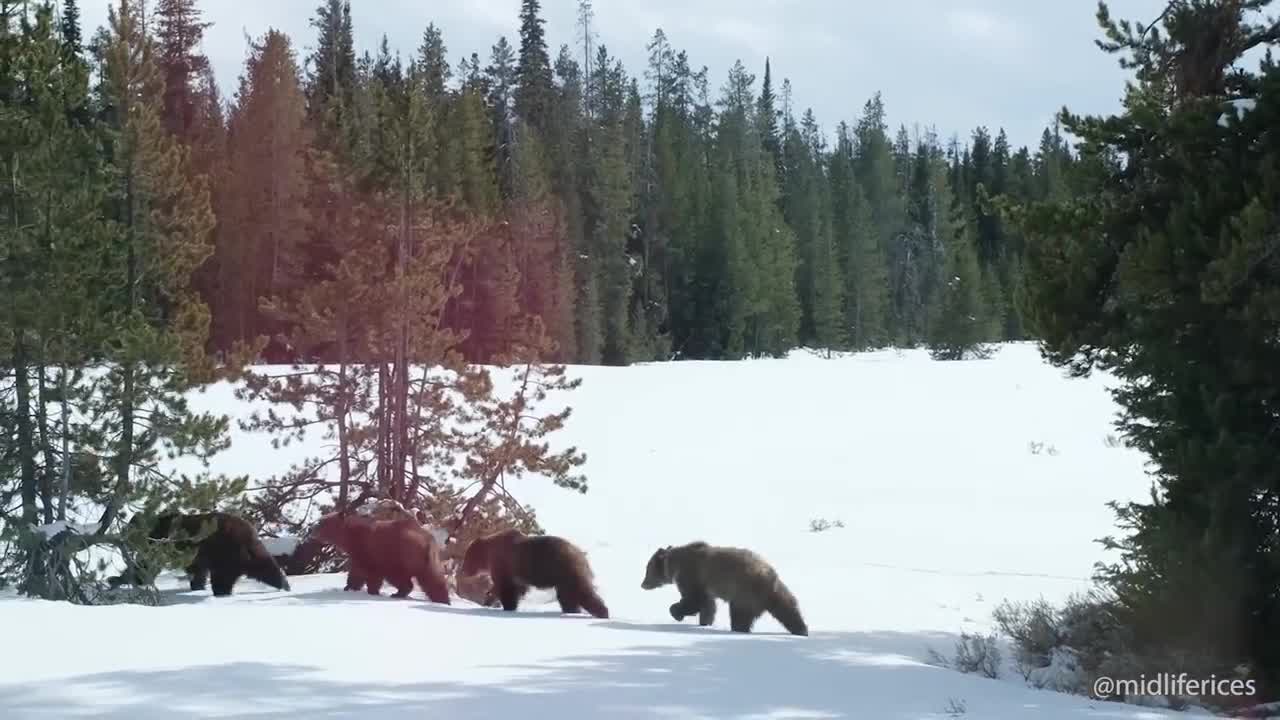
738, 576
230, 550
515, 562
395, 551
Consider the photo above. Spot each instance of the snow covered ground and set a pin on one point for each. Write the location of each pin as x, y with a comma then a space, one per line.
958, 485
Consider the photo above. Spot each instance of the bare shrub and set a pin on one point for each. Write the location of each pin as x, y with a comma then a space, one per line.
821, 524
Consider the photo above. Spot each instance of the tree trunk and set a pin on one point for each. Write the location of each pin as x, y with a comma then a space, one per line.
385, 412
400, 441
124, 454
65, 488
26, 434
344, 444
46, 447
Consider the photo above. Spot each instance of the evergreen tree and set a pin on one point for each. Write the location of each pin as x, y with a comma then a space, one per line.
876, 175
332, 79
857, 245
261, 232
533, 90
1163, 273
435, 72
72, 35
608, 209
500, 78
956, 327
163, 224
179, 32
768, 122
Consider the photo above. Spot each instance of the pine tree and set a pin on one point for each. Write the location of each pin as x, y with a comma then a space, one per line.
179, 32
72, 36
956, 327
768, 122
533, 90
261, 233
434, 68
1163, 274
862, 264
876, 175
609, 209
332, 78
164, 226
500, 79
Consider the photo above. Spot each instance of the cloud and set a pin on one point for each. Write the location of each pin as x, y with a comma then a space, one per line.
986, 28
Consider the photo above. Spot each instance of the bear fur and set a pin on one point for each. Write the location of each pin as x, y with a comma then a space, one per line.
515, 562
738, 576
397, 551
383, 509
231, 549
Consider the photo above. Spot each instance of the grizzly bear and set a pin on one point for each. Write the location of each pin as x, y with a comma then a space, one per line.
397, 551
738, 576
231, 549
515, 562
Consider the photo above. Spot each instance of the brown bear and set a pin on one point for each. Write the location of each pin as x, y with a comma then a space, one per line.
231, 549
515, 562
383, 509
396, 551
738, 576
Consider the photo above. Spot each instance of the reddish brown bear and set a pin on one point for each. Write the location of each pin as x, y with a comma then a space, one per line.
396, 551
515, 562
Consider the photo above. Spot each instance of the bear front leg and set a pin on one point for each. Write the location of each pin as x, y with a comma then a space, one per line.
707, 615
373, 584
355, 576
686, 606
509, 594
199, 570
199, 575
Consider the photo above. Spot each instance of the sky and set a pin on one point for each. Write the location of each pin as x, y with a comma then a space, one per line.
952, 65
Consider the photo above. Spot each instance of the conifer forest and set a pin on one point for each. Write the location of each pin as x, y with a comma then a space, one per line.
375, 234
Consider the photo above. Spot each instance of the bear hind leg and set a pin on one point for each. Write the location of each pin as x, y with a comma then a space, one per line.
568, 598
403, 585
223, 580
742, 617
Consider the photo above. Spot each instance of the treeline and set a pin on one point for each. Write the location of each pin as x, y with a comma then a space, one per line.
132, 204
635, 216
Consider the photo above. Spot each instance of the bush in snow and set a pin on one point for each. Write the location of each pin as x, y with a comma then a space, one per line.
974, 654
1067, 648
1033, 628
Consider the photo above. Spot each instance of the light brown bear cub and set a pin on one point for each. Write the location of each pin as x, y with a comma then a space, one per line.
738, 576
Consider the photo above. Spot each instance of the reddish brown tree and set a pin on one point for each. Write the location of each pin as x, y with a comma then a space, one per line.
262, 227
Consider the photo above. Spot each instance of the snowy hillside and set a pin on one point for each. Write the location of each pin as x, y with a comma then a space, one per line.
958, 485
